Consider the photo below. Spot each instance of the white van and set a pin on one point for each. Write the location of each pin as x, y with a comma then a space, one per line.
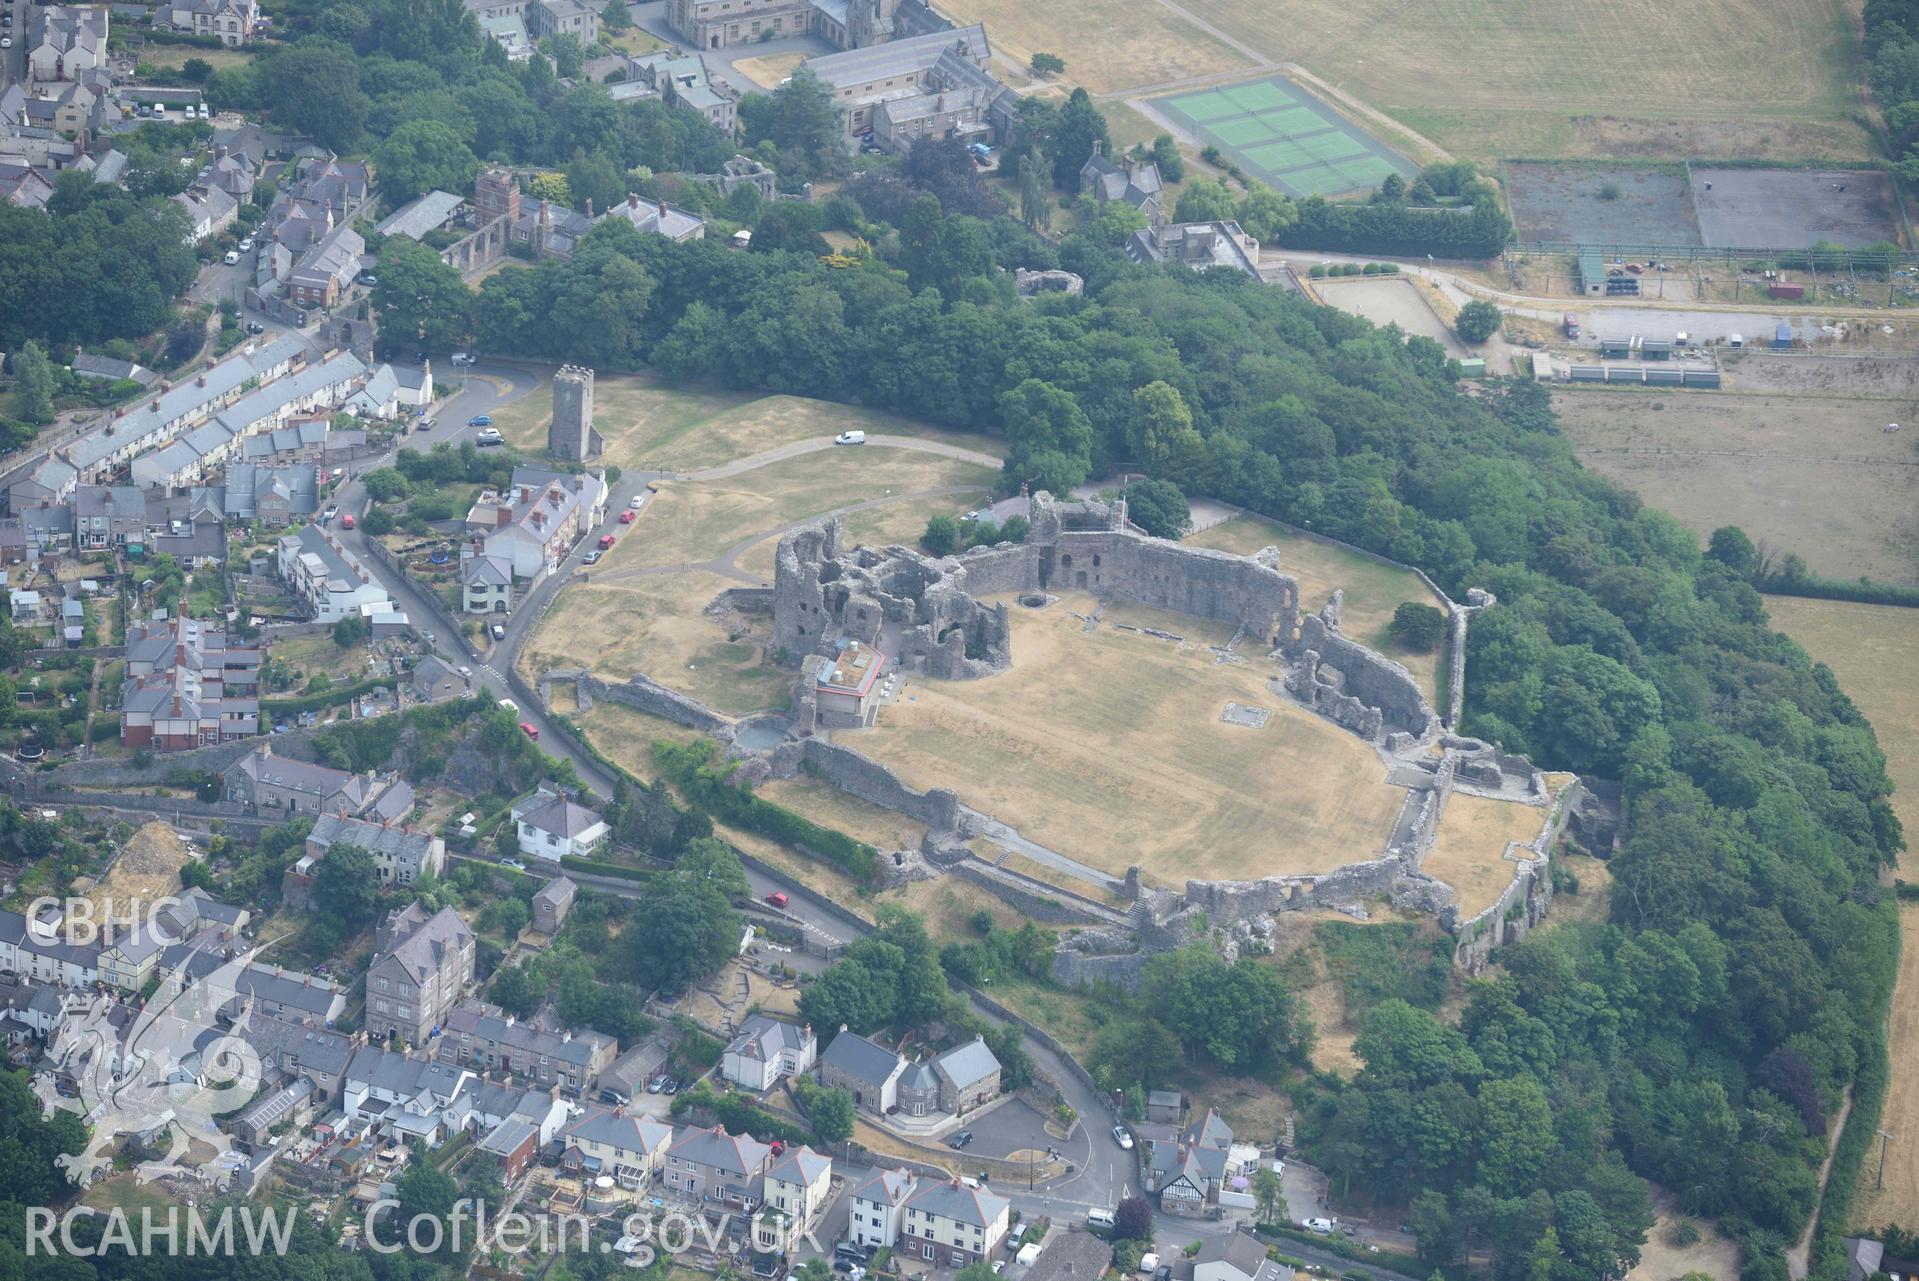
1100, 1219
850, 438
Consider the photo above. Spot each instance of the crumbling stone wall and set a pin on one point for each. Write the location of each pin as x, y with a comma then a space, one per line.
1036, 900
1352, 685
649, 696
1522, 905
929, 609
875, 784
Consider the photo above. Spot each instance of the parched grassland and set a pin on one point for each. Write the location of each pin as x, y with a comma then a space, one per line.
627, 736
1373, 591
656, 626
828, 806
901, 522
695, 520
1108, 746
769, 71
1497, 78
1873, 649
1108, 45
1815, 475
1470, 852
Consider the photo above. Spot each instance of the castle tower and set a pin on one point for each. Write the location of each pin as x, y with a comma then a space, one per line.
571, 436
870, 22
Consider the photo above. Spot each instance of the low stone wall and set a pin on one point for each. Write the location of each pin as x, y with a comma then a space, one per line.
1521, 906
645, 695
213, 760
867, 779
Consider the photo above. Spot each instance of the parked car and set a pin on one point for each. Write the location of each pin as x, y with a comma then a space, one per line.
1324, 1227
657, 1084
480, 420
960, 1140
465, 671
531, 730
606, 541
425, 424
672, 1086
255, 327
850, 438
1121, 1137
510, 706
778, 899
489, 438
346, 521
626, 517
462, 358
636, 502
246, 246
326, 517
232, 259
499, 631
592, 557
368, 279
613, 1097
1148, 1263
513, 863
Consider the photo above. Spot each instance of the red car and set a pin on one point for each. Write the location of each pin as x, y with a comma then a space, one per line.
529, 729
346, 521
626, 517
606, 541
777, 898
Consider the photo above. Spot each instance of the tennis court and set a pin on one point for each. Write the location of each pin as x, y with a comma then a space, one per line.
1287, 138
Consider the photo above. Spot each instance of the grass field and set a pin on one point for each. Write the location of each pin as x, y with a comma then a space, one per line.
1108, 746
1470, 852
1807, 474
1501, 78
1109, 45
695, 520
1873, 649
1373, 591
649, 427
1285, 136
767, 72
172, 57
901, 522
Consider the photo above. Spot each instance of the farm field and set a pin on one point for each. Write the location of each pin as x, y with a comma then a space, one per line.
1499, 78
1872, 649
1108, 747
1392, 300
1284, 135
1109, 45
1470, 852
1373, 591
1814, 475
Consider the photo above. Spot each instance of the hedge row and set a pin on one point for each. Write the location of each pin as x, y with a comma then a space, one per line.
1864, 591
574, 863
326, 698
1477, 232
691, 768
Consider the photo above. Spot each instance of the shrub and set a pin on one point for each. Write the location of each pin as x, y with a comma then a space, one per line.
1478, 320
1418, 627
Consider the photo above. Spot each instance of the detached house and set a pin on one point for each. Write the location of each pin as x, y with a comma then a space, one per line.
968, 1076
712, 1165
401, 856
556, 827
1239, 1257
1188, 1174
232, 21
766, 1051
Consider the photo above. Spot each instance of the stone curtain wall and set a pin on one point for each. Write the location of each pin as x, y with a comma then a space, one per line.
644, 695
1359, 681
1530, 892
858, 776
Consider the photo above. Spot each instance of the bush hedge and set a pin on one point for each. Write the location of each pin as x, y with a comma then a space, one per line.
708, 784
326, 698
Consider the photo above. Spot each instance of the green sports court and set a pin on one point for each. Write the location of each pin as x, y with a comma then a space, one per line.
1282, 135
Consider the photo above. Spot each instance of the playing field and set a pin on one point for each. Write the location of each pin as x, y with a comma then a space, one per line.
1108, 45
1285, 136
1108, 746
1814, 475
1372, 590
1873, 650
1487, 79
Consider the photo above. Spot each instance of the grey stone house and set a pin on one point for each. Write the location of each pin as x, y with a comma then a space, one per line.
968, 1076
714, 1166
869, 1072
552, 903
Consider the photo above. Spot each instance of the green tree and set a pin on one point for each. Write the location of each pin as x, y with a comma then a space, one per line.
424, 1193
385, 484
421, 299
377, 521
1047, 65
351, 630
1167, 156
313, 88
1418, 626
1158, 507
1080, 129
942, 536
422, 156
1731, 548
567, 52
831, 1113
692, 931
1050, 437
1160, 434
614, 17
1264, 213
345, 888
1269, 1198
1205, 202
1515, 1134
801, 122
1035, 206
33, 384
1478, 320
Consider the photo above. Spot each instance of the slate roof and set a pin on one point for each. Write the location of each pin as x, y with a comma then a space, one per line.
799, 1165
965, 1064
487, 1023
860, 1058
766, 1038
376, 838
420, 949
563, 818
631, 1132
886, 1187
728, 1153
975, 1207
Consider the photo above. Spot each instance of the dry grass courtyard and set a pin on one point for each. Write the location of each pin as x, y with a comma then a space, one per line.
1108, 746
